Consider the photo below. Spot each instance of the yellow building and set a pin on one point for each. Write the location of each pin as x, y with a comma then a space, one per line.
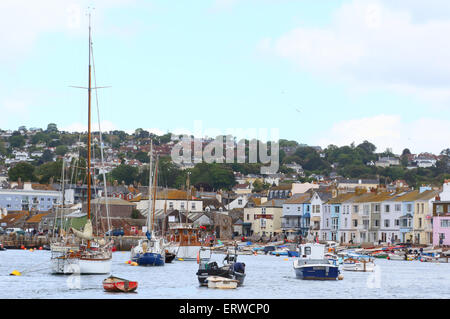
422, 221
263, 220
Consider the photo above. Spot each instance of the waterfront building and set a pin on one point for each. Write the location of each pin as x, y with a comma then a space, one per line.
28, 199
317, 200
335, 215
296, 214
423, 215
441, 217
263, 220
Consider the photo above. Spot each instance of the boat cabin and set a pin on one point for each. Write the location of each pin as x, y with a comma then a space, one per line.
311, 251
185, 236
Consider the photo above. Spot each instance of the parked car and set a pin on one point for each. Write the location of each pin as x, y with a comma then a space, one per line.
14, 230
115, 232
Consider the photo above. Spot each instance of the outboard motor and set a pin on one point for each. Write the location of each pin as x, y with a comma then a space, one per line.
239, 267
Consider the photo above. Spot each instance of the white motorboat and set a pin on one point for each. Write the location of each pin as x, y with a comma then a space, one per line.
359, 264
221, 282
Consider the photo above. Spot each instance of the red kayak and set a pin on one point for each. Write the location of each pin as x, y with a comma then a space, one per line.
115, 284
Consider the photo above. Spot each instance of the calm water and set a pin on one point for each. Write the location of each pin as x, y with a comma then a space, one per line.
267, 277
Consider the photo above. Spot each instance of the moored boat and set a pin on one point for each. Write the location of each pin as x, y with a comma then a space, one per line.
312, 264
360, 264
116, 284
231, 269
221, 282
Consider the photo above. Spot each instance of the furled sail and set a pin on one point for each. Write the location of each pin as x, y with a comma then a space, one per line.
87, 233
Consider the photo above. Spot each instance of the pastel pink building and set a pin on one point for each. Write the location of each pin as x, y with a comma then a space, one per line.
441, 217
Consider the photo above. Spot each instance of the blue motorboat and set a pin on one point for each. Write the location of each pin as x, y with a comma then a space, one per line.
149, 259
312, 264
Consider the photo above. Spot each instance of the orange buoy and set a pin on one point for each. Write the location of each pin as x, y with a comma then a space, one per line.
22, 247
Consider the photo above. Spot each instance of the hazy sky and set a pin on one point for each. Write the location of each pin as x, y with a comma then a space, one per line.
320, 72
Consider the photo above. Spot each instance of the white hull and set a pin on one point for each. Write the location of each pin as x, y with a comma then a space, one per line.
221, 283
81, 266
363, 267
188, 252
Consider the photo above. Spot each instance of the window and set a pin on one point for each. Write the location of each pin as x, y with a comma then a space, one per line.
445, 223
398, 207
327, 222
387, 208
307, 251
386, 223
377, 207
366, 209
397, 222
239, 201
170, 205
420, 222
299, 208
439, 208
345, 222
377, 223
336, 209
263, 210
409, 207
355, 208
182, 205
355, 223
248, 216
193, 206
423, 208
263, 222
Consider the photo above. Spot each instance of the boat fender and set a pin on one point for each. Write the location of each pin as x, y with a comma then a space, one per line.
15, 273
340, 277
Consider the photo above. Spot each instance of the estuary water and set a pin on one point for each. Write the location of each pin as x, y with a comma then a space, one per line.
268, 277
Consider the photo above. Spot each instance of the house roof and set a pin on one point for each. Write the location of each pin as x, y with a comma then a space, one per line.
274, 203
111, 201
408, 197
36, 218
14, 217
341, 198
299, 199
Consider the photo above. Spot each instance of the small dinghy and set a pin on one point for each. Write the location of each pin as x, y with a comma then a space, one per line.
115, 284
221, 282
169, 257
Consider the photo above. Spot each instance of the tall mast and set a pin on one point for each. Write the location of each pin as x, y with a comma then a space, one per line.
154, 191
89, 130
188, 190
150, 185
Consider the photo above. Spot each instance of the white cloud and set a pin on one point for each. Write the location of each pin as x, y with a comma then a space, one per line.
375, 45
391, 131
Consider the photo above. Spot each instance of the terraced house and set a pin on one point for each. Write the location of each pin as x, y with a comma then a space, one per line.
296, 214
335, 213
265, 219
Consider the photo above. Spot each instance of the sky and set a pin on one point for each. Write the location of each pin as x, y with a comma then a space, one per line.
318, 72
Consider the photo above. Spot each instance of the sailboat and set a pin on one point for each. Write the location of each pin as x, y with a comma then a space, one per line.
94, 256
61, 243
150, 251
184, 238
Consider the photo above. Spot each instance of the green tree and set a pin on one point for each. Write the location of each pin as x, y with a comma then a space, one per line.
125, 173
52, 128
61, 150
142, 157
23, 170
49, 170
17, 141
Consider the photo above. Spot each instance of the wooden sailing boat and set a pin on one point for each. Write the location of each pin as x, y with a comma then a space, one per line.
94, 256
185, 237
150, 251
